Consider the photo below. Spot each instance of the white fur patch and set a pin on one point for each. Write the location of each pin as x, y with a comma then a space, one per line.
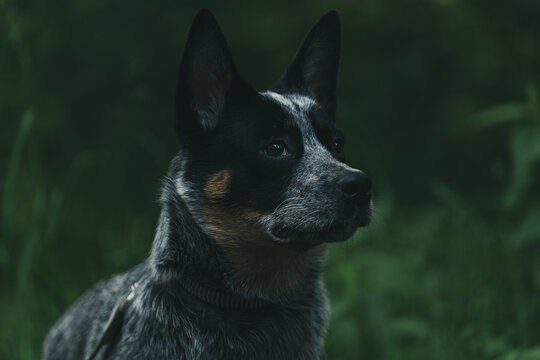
293, 103
181, 187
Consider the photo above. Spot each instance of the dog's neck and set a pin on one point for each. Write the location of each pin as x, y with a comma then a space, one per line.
182, 249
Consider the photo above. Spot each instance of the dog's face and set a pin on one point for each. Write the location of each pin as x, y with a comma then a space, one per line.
265, 170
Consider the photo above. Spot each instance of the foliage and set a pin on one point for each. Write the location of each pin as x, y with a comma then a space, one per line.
439, 102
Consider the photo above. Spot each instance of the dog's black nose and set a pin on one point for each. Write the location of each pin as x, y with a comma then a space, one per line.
356, 185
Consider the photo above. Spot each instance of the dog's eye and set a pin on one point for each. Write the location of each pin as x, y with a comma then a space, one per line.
338, 146
276, 150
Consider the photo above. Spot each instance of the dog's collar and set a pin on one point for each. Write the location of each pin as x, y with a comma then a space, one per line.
219, 298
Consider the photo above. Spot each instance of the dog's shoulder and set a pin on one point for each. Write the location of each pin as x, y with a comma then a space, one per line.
80, 328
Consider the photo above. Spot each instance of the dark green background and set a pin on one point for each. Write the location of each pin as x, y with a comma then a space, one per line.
439, 103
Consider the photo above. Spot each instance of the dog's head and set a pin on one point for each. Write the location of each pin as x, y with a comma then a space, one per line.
265, 170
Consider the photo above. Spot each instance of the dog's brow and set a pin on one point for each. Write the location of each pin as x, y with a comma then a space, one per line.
298, 107
293, 103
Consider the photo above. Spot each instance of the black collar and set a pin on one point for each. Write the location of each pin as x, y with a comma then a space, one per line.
219, 298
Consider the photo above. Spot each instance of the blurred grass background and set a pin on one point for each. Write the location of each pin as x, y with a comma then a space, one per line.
439, 101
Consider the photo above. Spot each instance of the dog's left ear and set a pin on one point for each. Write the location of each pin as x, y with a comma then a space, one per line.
315, 67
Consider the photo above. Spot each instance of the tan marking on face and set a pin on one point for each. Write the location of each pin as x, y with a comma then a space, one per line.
259, 262
217, 184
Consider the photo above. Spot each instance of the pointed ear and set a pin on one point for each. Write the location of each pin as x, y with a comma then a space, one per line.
315, 67
206, 79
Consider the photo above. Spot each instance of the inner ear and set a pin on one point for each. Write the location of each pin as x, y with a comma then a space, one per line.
315, 67
209, 80
207, 77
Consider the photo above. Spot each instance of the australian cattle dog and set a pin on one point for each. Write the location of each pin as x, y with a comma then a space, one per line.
250, 203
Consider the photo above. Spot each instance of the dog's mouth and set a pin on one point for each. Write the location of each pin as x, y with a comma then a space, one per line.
282, 233
326, 234
306, 238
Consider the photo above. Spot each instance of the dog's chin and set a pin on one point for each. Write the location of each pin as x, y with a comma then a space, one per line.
303, 239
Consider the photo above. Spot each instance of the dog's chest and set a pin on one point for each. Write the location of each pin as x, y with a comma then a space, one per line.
283, 334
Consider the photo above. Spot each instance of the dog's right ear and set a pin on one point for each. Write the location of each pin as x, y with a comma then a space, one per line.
207, 78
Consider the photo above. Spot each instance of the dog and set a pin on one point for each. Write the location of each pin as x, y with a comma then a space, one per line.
257, 191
